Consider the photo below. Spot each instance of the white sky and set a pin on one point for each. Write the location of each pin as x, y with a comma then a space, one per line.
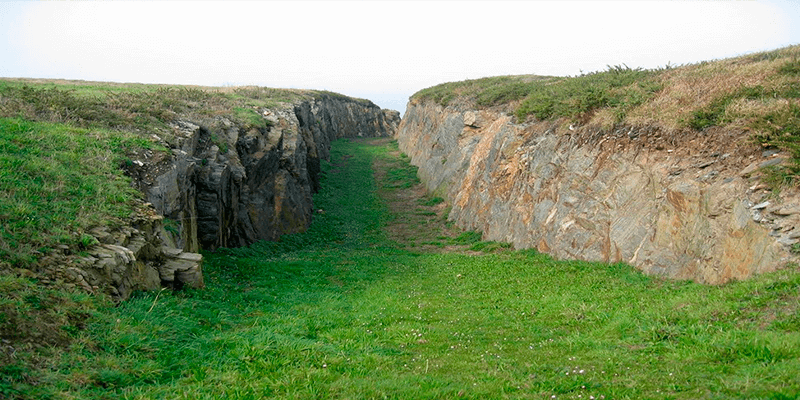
380, 50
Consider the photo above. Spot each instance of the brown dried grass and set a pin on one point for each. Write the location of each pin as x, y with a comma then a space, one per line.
692, 87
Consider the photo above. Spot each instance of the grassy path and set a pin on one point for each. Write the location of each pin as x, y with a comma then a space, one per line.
382, 299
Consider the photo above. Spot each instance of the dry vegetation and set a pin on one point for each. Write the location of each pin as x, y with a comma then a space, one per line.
756, 94
690, 88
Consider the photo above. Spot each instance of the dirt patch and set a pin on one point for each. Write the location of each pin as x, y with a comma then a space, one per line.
418, 222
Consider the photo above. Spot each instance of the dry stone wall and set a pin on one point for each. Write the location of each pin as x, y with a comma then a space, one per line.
685, 207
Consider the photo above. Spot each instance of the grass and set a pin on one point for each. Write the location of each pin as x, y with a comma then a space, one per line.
619, 88
772, 112
61, 175
342, 312
487, 91
145, 109
56, 182
756, 93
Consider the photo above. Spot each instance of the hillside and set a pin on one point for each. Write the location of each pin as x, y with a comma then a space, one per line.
756, 93
686, 171
73, 153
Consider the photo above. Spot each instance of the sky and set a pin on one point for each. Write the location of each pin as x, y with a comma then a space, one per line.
384, 51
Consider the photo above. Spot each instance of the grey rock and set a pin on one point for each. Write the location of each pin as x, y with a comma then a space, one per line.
770, 152
771, 162
182, 269
761, 206
789, 209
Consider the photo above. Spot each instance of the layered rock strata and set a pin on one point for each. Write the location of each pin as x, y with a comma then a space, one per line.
686, 207
124, 260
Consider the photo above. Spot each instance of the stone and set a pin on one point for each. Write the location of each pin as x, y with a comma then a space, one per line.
760, 206
788, 209
771, 162
752, 167
471, 119
181, 270
220, 185
594, 198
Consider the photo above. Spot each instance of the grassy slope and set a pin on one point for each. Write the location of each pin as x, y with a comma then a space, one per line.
343, 312
759, 93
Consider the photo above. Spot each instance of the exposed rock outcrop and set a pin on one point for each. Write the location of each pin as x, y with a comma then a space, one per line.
681, 207
126, 259
228, 185
220, 185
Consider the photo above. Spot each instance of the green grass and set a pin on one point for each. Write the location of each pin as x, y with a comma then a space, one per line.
487, 91
340, 312
61, 175
619, 88
136, 107
58, 181
431, 201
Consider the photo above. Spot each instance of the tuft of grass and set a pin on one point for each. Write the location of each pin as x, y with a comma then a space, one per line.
432, 201
250, 118
619, 88
469, 237
490, 246
791, 67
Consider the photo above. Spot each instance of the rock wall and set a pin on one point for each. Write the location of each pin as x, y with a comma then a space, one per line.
220, 185
684, 206
229, 186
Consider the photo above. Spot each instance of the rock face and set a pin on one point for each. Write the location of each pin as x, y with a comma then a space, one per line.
229, 186
127, 259
680, 207
221, 185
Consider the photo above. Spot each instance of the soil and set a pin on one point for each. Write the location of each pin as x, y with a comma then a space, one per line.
415, 223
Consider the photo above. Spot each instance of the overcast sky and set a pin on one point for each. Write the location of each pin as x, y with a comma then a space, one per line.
380, 50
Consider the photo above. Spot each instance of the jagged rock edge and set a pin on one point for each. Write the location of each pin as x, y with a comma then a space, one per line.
201, 196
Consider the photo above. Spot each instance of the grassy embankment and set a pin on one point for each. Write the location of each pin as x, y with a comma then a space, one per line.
757, 93
342, 311
62, 147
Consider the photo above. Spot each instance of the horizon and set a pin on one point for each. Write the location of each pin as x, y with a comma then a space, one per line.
382, 51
